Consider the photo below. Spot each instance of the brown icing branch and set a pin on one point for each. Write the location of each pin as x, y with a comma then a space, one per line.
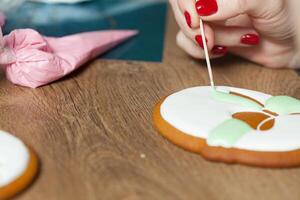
254, 119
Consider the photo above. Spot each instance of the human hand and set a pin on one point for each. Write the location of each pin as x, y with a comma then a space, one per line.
260, 31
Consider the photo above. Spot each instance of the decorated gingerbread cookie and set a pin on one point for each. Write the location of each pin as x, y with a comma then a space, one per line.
18, 165
233, 125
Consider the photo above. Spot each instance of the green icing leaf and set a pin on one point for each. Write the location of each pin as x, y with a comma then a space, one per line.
283, 105
228, 133
226, 97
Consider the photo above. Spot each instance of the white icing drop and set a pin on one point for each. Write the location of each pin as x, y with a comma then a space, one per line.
14, 158
194, 112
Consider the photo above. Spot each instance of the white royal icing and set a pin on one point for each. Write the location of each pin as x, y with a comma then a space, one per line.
194, 112
14, 158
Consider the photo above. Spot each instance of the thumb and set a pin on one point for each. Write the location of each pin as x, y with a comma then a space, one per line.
225, 9
270, 17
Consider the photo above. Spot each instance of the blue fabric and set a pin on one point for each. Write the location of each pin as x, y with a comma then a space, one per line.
147, 16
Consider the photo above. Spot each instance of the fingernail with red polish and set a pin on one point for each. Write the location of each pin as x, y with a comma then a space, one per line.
250, 39
206, 7
188, 19
219, 50
199, 40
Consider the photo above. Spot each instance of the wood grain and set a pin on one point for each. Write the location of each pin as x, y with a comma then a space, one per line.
91, 129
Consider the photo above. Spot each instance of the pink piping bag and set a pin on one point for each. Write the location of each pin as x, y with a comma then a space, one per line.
32, 60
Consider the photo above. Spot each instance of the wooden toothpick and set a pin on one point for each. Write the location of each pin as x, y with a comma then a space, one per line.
211, 78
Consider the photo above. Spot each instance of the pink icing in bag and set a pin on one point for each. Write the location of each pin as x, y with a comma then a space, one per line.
32, 60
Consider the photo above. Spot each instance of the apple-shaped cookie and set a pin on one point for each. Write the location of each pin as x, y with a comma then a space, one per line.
233, 125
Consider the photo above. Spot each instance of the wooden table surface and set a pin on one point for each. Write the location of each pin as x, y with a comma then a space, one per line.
95, 139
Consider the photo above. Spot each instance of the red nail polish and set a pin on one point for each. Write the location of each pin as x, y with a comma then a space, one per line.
219, 50
188, 19
199, 40
206, 7
250, 39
